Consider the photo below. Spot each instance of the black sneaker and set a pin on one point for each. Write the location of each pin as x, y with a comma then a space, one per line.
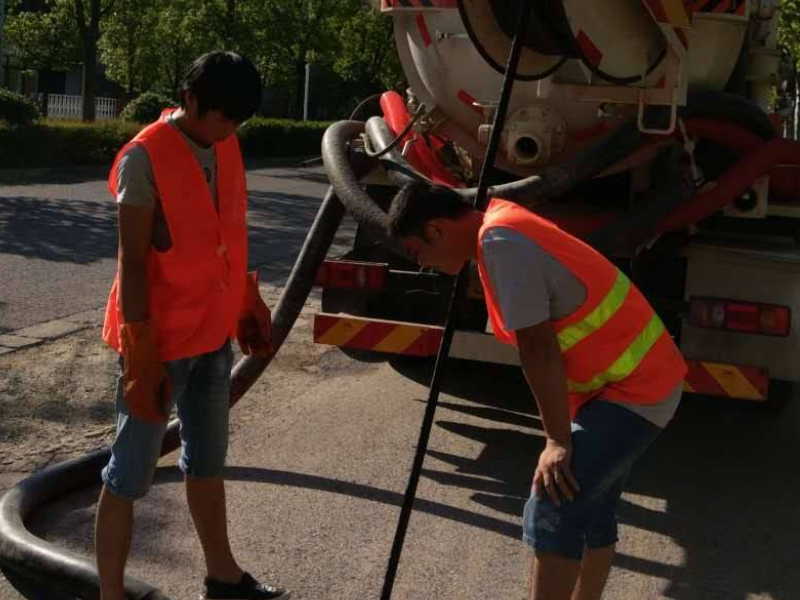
247, 589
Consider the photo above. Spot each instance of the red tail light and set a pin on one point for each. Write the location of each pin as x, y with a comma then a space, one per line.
744, 317
351, 274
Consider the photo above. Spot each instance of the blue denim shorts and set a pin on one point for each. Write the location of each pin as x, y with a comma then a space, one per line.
606, 441
201, 391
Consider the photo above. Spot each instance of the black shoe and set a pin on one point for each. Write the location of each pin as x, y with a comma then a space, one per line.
247, 589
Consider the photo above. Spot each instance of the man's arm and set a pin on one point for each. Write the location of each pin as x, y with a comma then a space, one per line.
135, 235
543, 366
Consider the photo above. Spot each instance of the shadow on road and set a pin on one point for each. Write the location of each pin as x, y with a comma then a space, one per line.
278, 225
723, 481
59, 175
725, 474
58, 230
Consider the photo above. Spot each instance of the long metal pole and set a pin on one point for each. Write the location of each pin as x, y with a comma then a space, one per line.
447, 337
305, 95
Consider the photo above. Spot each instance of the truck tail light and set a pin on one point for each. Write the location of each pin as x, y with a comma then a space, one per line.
351, 274
744, 317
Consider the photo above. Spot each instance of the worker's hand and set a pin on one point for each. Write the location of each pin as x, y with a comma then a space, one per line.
554, 474
254, 331
146, 385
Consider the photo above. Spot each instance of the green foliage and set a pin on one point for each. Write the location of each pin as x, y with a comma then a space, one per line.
789, 28
128, 48
281, 137
146, 108
59, 144
16, 109
63, 144
146, 45
43, 40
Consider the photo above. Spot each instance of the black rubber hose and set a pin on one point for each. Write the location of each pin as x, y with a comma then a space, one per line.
670, 189
556, 180
552, 182
33, 559
28, 557
398, 169
337, 159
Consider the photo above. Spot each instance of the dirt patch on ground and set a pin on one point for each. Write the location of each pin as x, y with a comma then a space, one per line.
57, 398
56, 401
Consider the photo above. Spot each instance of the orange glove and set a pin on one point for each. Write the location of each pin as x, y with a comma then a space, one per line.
146, 384
254, 331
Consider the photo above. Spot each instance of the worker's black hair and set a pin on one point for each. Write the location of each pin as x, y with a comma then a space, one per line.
418, 203
224, 81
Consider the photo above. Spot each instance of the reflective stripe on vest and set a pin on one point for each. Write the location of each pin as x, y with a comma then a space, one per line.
571, 335
626, 363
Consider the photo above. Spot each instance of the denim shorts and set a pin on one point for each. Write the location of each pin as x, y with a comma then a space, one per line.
201, 391
606, 441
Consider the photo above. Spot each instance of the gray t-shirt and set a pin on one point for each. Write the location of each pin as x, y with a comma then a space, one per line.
532, 286
136, 184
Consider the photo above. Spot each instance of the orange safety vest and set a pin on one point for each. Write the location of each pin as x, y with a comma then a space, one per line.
196, 288
614, 344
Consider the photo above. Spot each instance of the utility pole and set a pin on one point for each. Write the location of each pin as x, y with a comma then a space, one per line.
305, 95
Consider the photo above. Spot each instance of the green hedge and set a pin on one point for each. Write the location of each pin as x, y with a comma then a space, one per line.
16, 109
147, 107
60, 144
281, 137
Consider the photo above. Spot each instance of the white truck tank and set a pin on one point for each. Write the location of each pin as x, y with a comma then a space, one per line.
586, 66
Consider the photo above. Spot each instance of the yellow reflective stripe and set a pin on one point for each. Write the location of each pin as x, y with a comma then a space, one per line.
627, 361
569, 336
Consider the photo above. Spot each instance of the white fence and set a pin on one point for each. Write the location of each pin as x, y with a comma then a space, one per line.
60, 106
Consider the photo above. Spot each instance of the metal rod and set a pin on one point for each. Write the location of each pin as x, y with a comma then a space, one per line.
447, 337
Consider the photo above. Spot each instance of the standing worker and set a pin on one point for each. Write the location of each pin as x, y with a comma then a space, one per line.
606, 375
181, 292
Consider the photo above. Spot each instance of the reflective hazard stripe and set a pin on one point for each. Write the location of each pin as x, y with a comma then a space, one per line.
626, 363
569, 336
726, 380
377, 335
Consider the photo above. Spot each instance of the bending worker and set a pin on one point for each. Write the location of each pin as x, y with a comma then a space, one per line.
181, 291
606, 375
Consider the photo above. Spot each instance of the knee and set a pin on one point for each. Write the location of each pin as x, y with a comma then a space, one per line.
551, 529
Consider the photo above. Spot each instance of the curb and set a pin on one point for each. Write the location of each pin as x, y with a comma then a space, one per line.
49, 330
40, 333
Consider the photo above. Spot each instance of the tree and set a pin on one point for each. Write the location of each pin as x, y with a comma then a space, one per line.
87, 15
366, 58
128, 46
789, 39
42, 39
290, 34
47, 39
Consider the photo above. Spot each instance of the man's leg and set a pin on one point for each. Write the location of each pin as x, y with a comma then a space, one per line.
574, 542
126, 477
594, 569
203, 410
112, 541
552, 577
206, 498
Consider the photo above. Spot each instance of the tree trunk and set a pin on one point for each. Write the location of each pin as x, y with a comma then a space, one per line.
796, 132
300, 88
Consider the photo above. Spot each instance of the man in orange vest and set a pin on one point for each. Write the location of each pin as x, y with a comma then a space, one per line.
181, 292
606, 375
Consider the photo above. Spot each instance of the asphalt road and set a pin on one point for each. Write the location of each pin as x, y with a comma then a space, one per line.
58, 241
322, 445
